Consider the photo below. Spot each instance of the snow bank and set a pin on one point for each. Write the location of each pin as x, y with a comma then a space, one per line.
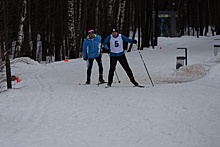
185, 74
26, 60
192, 71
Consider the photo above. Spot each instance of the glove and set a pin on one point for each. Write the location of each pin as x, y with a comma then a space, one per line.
85, 58
105, 50
102, 40
135, 41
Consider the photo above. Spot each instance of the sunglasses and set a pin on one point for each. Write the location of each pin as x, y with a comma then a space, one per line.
92, 32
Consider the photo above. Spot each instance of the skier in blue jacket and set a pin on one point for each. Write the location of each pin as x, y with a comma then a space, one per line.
117, 54
91, 51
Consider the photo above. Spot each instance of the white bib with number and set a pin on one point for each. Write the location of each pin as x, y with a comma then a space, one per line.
116, 44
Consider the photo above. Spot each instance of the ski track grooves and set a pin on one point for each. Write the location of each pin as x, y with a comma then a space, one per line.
37, 107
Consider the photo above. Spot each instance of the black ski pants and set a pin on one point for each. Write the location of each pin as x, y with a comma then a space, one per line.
124, 63
90, 64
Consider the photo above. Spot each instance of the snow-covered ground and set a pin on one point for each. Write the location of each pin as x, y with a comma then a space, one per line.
49, 107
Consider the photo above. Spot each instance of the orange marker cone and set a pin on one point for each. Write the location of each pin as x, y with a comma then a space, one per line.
18, 79
66, 60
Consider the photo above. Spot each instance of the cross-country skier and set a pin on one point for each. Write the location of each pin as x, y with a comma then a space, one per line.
91, 51
117, 54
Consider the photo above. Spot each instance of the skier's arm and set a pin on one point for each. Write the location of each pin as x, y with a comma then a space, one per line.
107, 39
99, 39
126, 39
84, 50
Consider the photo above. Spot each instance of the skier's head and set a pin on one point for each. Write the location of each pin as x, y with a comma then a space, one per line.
114, 32
91, 33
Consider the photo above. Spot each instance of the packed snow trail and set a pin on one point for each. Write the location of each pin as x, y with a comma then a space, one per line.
49, 108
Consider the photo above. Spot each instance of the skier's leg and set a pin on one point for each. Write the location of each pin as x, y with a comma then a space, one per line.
113, 62
124, 63
89, 70
99, 62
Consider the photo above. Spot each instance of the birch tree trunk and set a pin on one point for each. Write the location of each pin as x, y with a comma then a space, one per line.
25, 49
71, 28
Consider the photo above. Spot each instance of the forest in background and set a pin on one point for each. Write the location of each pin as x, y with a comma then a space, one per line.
42, 28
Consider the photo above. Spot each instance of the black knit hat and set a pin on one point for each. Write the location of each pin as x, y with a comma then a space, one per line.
114, 30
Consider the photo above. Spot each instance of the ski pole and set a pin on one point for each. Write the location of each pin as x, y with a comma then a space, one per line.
98, 82
145, 66
117, 77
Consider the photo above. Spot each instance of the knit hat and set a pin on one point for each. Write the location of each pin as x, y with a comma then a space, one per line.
114, 30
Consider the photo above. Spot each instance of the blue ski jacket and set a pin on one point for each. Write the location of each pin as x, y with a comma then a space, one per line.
91, 47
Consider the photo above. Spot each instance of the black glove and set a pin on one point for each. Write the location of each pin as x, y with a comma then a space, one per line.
135, 41
85, 58
102, 40
105, 50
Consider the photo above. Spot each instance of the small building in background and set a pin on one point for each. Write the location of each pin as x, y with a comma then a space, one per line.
167, 23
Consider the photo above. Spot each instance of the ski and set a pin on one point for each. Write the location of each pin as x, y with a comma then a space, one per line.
101, 83
93, 84
141, 86
84, 84
107, 86
138, 86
